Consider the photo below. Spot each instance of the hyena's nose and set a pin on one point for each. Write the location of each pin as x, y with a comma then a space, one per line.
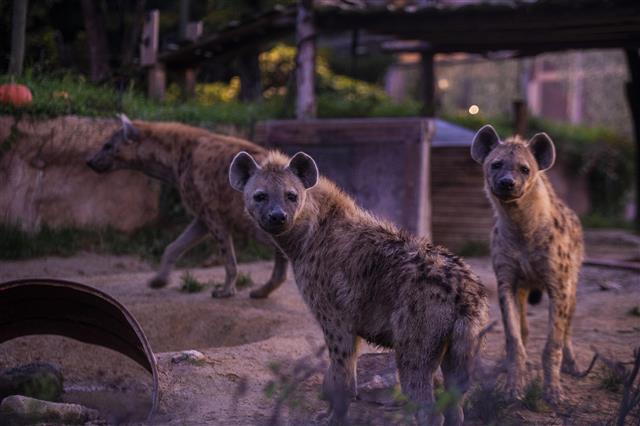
506, 184
277, 217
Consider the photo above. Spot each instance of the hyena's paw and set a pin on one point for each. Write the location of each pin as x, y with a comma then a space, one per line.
516, 383
223, 292
553, 395
262, 292
158, 282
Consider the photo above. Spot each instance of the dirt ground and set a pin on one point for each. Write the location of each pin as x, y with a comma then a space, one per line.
244, 341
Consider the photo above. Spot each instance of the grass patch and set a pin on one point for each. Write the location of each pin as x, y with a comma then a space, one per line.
487, 404
611, 381
532, 398
244, 280
189, 283
148, 243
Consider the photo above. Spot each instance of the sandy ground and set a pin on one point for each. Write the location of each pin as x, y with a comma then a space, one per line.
245, 340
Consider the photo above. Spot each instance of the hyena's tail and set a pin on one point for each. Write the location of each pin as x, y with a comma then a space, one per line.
462, 359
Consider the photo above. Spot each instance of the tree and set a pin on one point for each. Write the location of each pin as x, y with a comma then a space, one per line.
100, 69
18, 26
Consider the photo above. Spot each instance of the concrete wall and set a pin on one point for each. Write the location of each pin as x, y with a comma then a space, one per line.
44, 179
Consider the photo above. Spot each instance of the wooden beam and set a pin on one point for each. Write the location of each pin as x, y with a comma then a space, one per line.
633, 97
305, 61
427, 79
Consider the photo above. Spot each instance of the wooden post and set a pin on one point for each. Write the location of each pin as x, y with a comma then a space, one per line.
156, 75
189, 83
249, 70
633, 97
428, 84
306, 61
156, 82
520, 117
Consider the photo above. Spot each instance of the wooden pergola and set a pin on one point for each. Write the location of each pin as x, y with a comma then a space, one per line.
523, 27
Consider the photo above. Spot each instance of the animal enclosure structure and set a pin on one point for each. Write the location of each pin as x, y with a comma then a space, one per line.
382, 163
414, 172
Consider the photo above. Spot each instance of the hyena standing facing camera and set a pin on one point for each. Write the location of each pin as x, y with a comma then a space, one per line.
363, 278
536, 245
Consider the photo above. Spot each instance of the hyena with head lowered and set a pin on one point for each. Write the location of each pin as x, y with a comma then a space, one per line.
364, 279
536, 246
197, 163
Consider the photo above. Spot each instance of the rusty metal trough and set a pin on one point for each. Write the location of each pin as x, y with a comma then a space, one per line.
70, 309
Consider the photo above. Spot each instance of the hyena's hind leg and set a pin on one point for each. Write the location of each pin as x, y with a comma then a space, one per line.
191, 236
419, 346
278, 276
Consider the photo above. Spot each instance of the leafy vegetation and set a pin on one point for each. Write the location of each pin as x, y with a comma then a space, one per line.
190, 284
533, 396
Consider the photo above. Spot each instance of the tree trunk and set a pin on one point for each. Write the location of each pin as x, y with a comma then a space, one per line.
97, 42
306, 61
132, 32
184, 19
18, 29
249, 70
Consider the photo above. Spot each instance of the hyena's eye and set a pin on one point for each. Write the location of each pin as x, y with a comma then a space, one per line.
259, 197
109, 146
292, 196
497, 165
525, 170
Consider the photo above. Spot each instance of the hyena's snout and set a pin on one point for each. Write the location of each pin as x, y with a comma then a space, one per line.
97, 164
506, 184
277, 217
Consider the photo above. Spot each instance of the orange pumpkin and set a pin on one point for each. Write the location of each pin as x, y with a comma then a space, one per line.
15, 94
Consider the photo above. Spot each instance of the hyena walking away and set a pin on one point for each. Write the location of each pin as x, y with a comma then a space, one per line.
363, 278
536, 246
197, 163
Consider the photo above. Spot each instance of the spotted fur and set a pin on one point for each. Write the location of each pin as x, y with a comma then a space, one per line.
536, 246
197, 163
363, 278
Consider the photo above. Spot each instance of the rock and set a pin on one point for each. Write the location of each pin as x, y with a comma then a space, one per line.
378, 379
38, 380
190, 356
609, 285
18, 410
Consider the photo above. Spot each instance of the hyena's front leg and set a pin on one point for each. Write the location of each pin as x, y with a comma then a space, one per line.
278, 276
516, 354
569, 364
225, 247
192, 235
339, 385
552, 355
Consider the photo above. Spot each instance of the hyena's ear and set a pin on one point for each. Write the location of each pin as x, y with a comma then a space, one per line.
543, 150
242, 167
483, 142
129, 130
305, 168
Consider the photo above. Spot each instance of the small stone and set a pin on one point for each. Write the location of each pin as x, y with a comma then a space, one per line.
609, 285
37, 380
190, 356
18, 410
378, 379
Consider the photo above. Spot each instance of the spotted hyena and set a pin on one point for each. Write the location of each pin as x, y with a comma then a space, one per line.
197, 163
536, 246
365, 279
